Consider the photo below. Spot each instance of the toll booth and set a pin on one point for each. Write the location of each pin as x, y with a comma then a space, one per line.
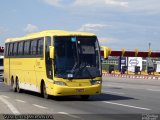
110, 68
124, 69
137, 70
150, 70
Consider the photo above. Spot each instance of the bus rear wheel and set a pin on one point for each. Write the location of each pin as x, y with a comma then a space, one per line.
44, 92
17, 86
85, 97
13, 85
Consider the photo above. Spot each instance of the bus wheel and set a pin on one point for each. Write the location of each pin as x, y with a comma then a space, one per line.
44, 92
13, 85
17, 86
84, 97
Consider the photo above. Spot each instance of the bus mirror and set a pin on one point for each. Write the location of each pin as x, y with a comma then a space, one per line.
51, 52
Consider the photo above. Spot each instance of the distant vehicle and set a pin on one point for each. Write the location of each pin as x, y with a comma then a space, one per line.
52, 62
1, 67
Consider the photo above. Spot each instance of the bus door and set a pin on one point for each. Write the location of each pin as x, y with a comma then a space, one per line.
48, 61
39, 66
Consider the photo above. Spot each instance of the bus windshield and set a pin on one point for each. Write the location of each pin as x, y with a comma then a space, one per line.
77, 57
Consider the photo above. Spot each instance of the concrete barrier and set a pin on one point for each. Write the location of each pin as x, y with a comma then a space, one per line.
133, 76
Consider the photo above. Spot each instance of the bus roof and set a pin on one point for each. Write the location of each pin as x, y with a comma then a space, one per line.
50, 33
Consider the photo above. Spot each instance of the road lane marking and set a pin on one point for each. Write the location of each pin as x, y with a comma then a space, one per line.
10, 106
40, 106
20, 101
113, 103
5, 96
117, 86
114, 92
155, 90
135, 88
114, 86
64, 113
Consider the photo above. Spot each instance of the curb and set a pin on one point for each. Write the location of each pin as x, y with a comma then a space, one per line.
132, 76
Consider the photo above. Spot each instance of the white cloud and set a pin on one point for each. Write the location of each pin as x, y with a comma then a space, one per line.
106, 40
88, 2
53, 2
31, 28
92, 27
101, 3
116, 3
93, 3
149, 6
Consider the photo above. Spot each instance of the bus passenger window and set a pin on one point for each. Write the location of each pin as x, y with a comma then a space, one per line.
20, 48
6, 50
10, 49
33, 47
15, 49
40, 47
26, 47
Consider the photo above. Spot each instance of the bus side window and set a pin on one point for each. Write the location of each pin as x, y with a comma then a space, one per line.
6, 50
26, 47
10, 49
33, 47
20, 48
15, 49
40, 46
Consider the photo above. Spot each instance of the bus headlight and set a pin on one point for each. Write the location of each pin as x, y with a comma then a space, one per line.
95, 82
60, 83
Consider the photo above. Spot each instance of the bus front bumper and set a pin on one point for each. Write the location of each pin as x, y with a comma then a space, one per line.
66, 91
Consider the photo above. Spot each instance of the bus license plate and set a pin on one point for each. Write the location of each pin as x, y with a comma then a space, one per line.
79, 90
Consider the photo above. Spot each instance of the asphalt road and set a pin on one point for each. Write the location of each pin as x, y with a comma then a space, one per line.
121, 99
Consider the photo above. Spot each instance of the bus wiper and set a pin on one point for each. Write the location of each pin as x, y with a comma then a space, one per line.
81, 69
74, 67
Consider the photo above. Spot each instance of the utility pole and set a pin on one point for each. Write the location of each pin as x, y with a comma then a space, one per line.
148, 59
149, 44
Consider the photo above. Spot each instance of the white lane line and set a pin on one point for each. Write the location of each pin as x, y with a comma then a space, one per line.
155, 90
10, 106
5, 96
64, 113
126, 105
39, 106
124, 87
120, 93
113, 86
20, 101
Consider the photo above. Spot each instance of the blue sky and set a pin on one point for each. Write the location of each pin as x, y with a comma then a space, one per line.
118, 24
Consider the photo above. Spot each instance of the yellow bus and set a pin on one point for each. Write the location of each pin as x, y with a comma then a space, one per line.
54, 62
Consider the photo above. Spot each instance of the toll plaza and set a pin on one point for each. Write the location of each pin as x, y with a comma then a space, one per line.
144, 63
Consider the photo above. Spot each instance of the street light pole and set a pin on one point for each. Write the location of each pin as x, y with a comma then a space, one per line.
149, 45
149, 59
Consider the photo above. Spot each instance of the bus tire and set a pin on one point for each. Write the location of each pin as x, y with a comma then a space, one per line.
13, 85
43, 91
19, 90
85, 97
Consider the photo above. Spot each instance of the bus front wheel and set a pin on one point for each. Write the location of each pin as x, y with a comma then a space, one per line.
44, 92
